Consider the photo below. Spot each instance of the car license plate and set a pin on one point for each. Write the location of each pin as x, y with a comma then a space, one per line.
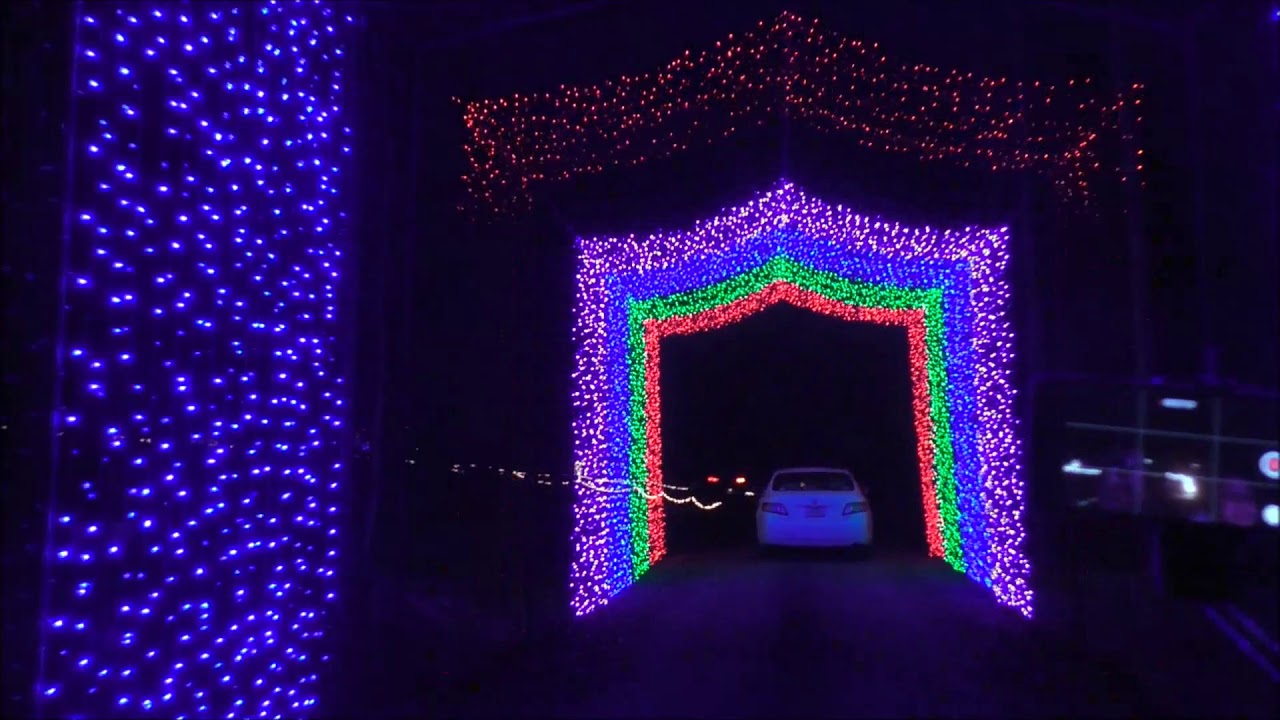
815, 512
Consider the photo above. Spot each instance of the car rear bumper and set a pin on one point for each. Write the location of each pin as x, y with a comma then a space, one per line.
786, 531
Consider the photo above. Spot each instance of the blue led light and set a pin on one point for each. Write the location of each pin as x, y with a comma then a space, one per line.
193, 553
821, 254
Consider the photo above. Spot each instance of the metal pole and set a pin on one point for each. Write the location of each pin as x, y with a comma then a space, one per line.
1140, 442
1156, 545
1215, 456
1138, 301
784, 109
59, 377
1196, 142
377, 433
1268, 149
1030, 349
1133, 226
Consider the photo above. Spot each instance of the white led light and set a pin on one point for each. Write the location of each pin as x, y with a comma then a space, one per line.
1271, 515
1075, 467
1269, 465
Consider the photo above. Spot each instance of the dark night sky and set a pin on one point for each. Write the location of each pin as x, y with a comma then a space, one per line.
476, 317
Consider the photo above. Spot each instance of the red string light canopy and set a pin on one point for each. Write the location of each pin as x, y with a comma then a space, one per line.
790, 66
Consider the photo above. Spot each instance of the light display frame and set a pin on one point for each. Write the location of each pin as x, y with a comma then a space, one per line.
946, 287
191, 562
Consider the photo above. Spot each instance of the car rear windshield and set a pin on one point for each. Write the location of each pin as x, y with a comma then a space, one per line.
819, 481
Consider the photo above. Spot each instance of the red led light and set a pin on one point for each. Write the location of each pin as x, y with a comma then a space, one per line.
821, 79
720, 316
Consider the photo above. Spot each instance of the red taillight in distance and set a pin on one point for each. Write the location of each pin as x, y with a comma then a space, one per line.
775, 508
854, 507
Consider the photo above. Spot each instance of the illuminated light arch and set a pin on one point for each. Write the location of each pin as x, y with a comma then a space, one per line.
913, 320
947, 289
759, 285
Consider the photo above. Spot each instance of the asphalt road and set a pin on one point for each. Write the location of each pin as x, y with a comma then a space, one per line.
734, 634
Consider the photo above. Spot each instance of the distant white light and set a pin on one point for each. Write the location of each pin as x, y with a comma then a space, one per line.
1189, 486
1179, 404
1075, 467
1271, 515
1269, 464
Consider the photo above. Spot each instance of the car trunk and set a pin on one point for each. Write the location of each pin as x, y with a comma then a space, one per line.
811, 504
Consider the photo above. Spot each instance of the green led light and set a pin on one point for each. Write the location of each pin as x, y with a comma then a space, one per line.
834, 287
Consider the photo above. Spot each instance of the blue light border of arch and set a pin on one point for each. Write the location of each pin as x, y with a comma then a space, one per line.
824, 257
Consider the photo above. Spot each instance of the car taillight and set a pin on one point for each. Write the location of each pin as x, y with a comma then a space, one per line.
854, 507
778, 508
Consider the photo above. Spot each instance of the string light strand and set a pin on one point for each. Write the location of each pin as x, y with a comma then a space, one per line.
627, 487
793, 67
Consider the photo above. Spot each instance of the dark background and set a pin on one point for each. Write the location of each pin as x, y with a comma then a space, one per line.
463, 351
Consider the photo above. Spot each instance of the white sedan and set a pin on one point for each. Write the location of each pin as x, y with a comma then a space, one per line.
813, 507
